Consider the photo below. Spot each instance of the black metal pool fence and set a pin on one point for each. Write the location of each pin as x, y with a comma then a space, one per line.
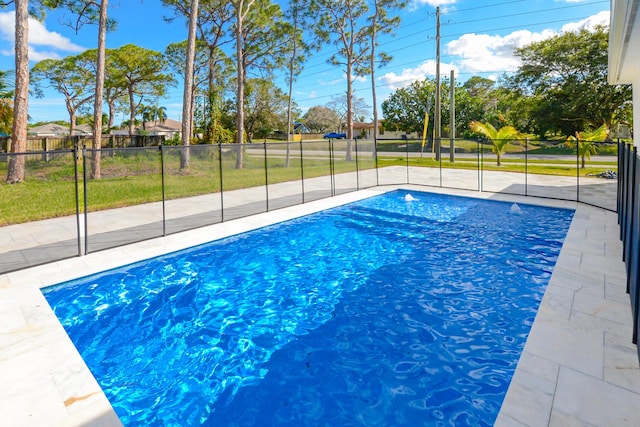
629, 220
169, 189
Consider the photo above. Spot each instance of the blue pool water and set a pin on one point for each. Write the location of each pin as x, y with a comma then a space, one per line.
387, 311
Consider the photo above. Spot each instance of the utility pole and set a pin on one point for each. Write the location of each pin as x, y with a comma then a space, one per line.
436, 117
452, 121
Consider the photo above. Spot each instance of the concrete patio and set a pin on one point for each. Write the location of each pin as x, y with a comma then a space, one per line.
578, 368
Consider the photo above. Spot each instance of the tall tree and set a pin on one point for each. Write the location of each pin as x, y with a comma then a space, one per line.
142, 72
344, 24
341, 105
15, 168
187, 104
380, 23
91, 12
299, 47
114, 93
322, 119
567, 75
99, 92
241, 11
405, 109
71, 76
213, 24
266, 107
259, 32
176, 54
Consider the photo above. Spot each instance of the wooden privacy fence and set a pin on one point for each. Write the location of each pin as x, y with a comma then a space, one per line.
52, 143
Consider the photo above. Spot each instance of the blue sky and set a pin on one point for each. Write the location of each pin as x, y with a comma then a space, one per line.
477, 38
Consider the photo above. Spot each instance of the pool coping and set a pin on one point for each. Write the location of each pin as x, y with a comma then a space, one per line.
578, 366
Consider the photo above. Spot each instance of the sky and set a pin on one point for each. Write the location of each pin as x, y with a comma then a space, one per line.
477, 37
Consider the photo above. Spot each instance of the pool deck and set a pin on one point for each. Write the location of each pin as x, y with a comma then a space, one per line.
578, 368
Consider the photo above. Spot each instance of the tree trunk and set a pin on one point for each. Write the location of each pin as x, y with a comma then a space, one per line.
208, 112
241, 87
349, 109
372, 65
132, 112
97, 103
187, 106
294, 54
15, 170
112, 114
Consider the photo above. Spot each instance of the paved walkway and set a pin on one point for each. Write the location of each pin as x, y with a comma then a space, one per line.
27, 245
578, 367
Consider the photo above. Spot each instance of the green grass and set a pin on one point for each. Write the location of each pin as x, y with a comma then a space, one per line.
472, 146
135, 178
544, 168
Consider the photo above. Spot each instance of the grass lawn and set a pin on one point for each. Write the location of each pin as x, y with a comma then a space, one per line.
49, 188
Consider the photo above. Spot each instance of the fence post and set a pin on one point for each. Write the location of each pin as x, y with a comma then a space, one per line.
406, 146
627, 244
164, 214
526, 166
332, 168
620, 175
75, 174
375, 159
302, 168
481, 164
266, 174
577, 169
221, 183
357, 168
84, 189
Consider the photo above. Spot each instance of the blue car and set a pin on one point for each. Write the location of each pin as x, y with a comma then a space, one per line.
335, 135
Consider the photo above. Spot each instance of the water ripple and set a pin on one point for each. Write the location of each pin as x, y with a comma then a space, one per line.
383, 312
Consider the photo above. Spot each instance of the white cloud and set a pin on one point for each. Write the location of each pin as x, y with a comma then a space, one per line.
38, 36
436, 3
600, 18
416, 4
38, 55
331, 82
486, 53
409, 75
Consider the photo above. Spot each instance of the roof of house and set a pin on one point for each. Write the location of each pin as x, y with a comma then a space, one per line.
363, 125
168, 125
56, 129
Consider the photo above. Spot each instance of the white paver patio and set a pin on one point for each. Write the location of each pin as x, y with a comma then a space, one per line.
578, 367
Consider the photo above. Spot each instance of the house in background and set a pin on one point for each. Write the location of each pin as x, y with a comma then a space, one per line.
56, 130
168, 128
299, 128
624, 49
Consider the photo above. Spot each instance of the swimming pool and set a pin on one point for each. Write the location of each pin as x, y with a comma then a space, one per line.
387, 311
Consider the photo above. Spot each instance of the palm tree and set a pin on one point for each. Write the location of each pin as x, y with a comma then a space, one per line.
160, 114
146, 112
499, 138
6, 115
586, 142
6, 103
